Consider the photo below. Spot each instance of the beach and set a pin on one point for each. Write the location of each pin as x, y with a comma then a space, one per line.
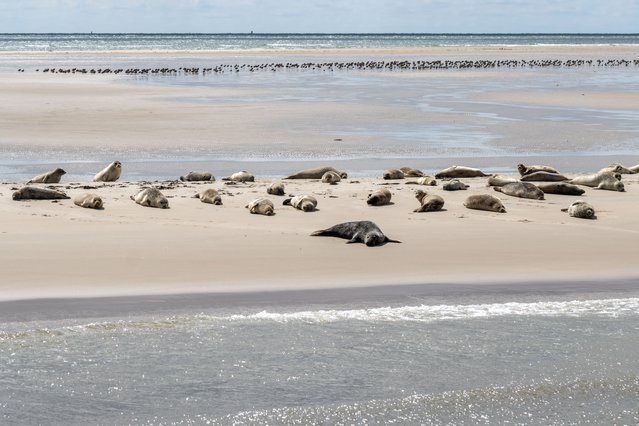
206, 313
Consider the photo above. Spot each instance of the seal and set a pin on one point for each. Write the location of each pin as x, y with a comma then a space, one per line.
410, 172
331, 177
543, 177
197, 177
428, 203
426, 180
31, 193
151, 197
110, 173
634, 169
605, 180
381, 197
560, 188
455, 185
261, 206
363, 231
393, 174
276, 188
617, 168
581, 209
53, 176
316, 173
521, 190
210, 196
460, 172
500, 180
305, 203
526, 170
242, 176
485, 202
89, 201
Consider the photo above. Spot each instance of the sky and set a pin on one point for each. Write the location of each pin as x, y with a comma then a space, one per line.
323, 16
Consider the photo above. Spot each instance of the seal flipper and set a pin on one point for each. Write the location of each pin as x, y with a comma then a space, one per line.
356, 239
388, 240
287, 202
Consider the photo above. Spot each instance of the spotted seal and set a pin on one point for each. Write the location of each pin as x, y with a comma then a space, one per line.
89, 201
521, 190
381, 197
617, 168
52, 176
33, 193
363, 231
110, 173
485, 202
542, 176
428, 203
151, 197
276, 188
580, 209
331, 177
500, 180
605, 180
411, 172
460, 172
210, 196
242, 176
527, 170
262, 206
316, 173
455, 185
393, 174
198, 177
306, 203
560, 188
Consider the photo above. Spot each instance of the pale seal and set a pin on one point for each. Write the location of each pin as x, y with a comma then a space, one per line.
460, 172
543, 177
485, 202
560, 188
261, 206
411, 172
521, 190
604, 180
53, 176
634, 169
618, 168
276, 188
210, 196
89, 201
363, 231
428, 203
455, 185
427, 180
110, 173
31, 193
316, 173
242, 176
151, 197
500, 180
381, 197
581, 209
526, 170
305, 203
197, 177
331, 177
393, 174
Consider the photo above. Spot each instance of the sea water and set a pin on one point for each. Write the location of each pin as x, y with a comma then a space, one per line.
452, 359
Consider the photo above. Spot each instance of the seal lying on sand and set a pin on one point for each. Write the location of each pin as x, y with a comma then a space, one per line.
31, 193
261, 206
527, 170
618, 168
316, 173
393, 174
88, 201
210, 196
429, 203
331, 177
543, 177
560, 188
110, 173
499, 180
242, 176
581, 209
460, 172
363, 231
521, 190
605, 180
485, 202
455, 185
381, 197
53, 176
151, 197
305, 203
276, 188
634, 169
197, 177
410, 172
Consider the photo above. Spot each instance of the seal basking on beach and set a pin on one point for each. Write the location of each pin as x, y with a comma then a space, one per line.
31, 193
455, 185
261, 206
605, 180
89, 201
428, 203
618, 168
560, 188
410, 172
110, 173
521, 190
306, 203
276, 188
542, 176
316, 173
527, 170
393, 174
331, 177
460, 172
53, 176
241, 176
363, 231
485, 202
581, 209
151, 197
197, 177
381, 197
424, 180
210, 196
500, 180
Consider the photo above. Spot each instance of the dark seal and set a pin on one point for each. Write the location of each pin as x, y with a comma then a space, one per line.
33, 193
363, 231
